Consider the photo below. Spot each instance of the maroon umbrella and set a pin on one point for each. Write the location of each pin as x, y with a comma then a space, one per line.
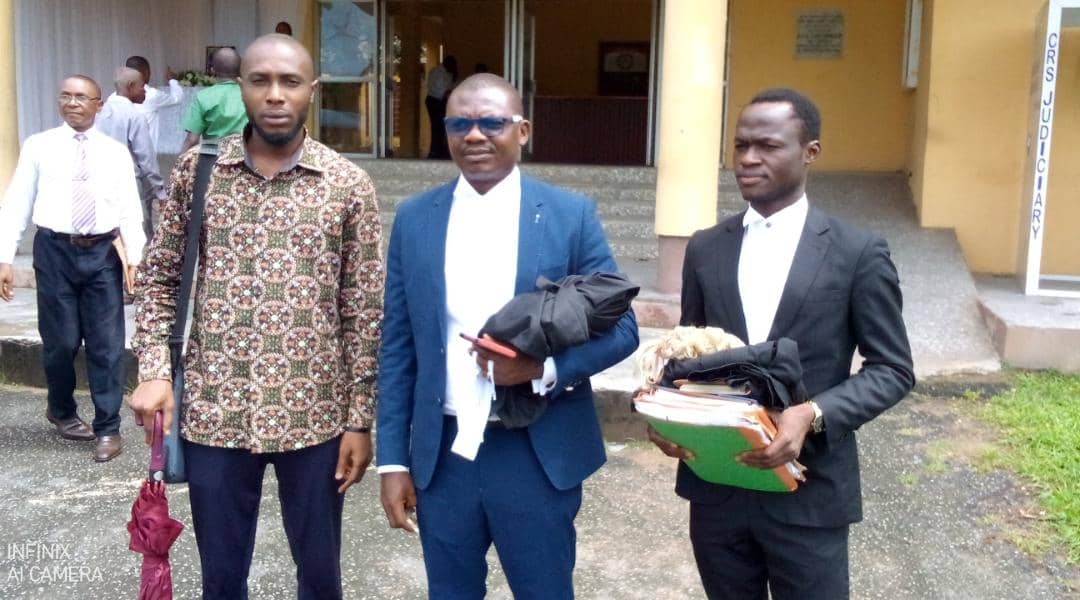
152, 530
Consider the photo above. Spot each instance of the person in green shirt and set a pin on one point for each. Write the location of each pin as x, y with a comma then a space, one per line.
218, 110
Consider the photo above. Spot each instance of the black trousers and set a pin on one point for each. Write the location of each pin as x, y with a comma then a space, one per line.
225, 486
80, 299
436, 110
741, 552
148, 200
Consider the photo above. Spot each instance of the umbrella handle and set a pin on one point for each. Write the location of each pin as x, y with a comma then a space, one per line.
157, 449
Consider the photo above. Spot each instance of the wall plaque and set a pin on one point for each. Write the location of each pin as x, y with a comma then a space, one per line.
820, 33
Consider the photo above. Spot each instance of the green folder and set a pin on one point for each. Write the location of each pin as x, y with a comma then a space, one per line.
714, 449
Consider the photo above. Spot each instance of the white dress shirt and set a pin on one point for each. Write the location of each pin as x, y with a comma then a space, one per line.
154, 102
480, 272
439, 82
41, 189
768, 249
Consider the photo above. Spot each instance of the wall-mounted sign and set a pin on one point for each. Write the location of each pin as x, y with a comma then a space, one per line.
820, 33
624, 69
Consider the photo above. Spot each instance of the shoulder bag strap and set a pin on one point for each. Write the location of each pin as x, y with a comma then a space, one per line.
191, 256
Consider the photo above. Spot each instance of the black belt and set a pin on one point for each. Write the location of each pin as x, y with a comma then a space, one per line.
84, 241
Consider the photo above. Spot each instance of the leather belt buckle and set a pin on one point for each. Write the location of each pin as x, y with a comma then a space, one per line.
83, 241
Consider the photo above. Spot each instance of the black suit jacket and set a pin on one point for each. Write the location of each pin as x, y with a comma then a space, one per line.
842, 292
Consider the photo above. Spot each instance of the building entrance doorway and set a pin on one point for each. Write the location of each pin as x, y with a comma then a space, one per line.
586, 72
466, 35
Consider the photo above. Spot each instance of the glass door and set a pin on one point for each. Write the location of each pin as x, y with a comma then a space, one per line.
428, 46
526, 83
348, 47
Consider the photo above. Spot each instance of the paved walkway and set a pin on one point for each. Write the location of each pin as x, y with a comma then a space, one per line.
934, 528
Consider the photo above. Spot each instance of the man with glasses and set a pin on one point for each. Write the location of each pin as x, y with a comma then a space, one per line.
78, 186
457, 254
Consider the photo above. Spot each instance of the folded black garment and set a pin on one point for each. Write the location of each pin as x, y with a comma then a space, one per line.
554, 317
561, 314
771, 369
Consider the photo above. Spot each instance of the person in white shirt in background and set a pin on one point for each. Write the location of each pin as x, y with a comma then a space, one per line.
440, 81
155, 99
122, 121
79, 187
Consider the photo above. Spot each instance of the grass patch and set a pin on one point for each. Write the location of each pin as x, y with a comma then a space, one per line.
1033, 539
1040, 424
937, 454
989, 459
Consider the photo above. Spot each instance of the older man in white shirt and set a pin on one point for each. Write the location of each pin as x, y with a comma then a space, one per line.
121, 120
78, 186
155, 100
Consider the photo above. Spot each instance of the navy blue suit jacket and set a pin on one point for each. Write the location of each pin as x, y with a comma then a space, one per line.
842, 292
559, 234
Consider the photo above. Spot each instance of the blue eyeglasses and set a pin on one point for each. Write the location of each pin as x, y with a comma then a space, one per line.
489, 126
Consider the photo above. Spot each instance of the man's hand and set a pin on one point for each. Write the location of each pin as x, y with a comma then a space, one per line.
509, 371
129, 281
793, 425
7, 278
150, 397
169, 73
354, 456
398, 499
667, 446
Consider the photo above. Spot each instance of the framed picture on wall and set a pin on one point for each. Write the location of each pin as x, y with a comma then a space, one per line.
623, 69
210, 50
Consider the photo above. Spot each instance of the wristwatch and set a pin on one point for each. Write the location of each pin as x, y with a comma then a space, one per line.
818, 424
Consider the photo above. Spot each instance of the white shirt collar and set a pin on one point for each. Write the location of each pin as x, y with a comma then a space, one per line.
794, 213
70, 133
510, 185
114, 97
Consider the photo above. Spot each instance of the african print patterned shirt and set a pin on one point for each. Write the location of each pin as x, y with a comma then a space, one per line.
288, 302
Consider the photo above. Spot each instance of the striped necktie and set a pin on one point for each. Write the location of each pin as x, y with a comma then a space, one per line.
82, 196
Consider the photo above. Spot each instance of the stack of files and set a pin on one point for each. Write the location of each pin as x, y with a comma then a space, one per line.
716, 423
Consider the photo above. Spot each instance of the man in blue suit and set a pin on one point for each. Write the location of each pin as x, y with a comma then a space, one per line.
457, 253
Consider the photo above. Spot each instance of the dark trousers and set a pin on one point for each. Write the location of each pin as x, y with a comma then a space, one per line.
80, 299
148, 200
225, 486
436, 110
740, 552
503, 497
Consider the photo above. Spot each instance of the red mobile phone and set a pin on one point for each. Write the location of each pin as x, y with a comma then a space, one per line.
488, 343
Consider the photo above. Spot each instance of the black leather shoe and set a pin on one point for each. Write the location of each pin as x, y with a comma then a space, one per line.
72, 429
108, 447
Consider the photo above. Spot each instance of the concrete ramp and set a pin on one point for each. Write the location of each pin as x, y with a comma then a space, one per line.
941, 307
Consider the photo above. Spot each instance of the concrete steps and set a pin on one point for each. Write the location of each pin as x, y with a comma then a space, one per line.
625, 196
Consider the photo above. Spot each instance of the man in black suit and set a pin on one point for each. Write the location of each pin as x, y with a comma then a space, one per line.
785, 269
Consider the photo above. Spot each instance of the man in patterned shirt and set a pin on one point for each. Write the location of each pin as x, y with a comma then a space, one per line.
280, 366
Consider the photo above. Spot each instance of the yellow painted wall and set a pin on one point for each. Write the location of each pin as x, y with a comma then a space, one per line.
977, 83
9, 125
866, 113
